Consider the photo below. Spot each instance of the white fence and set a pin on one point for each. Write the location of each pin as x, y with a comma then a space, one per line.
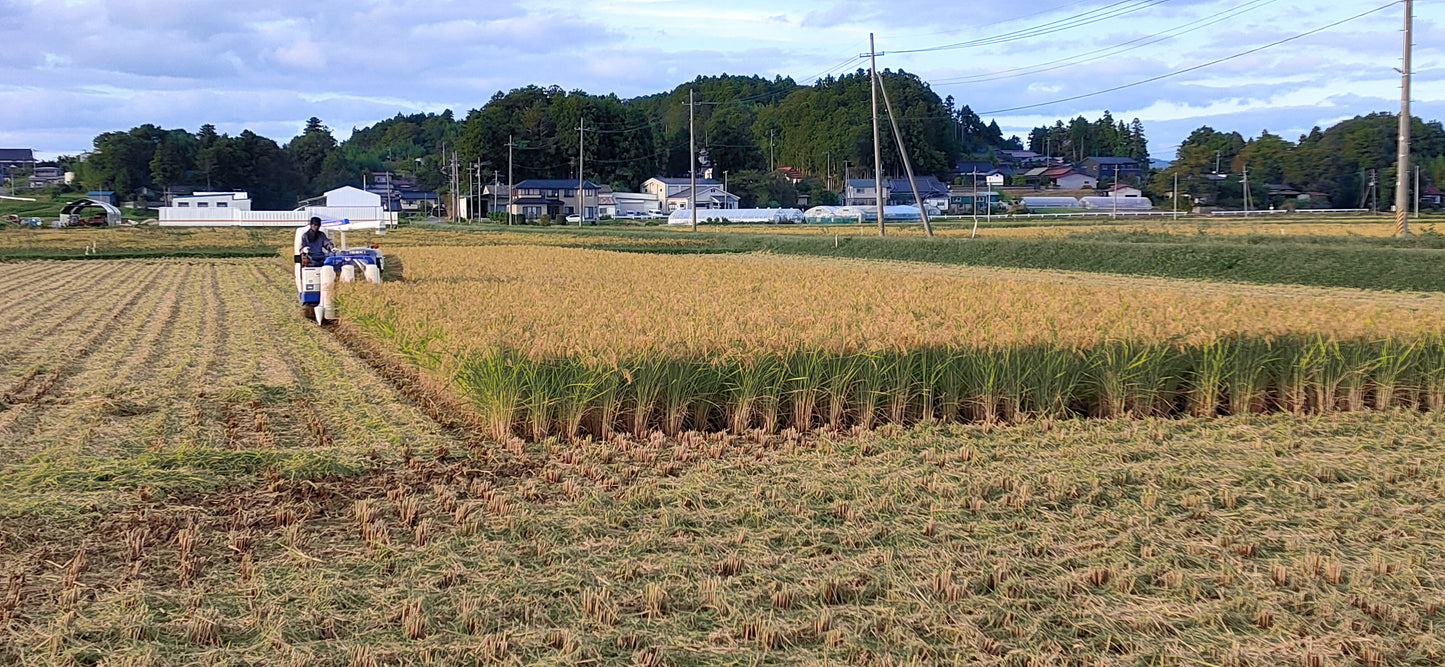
223, 217
1289, 212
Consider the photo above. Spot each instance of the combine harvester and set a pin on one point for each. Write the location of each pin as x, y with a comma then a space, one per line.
316, 283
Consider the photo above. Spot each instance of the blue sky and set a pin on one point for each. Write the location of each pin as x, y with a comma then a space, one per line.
74, 69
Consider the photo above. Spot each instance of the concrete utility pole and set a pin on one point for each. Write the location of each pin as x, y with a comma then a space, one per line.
1402, 172
1176, 195
974, 205
581, 203
1115, 194
772, 161
692, 155
496, 180
1417, 192
511, 195
907, 166
1246, 190
877, 144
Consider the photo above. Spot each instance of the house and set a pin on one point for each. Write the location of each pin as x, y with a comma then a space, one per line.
495, 197
861, 192
233, 209
791, 173
1019, 158
1431, 196
1124, 191
107, 196
15, 158
553, 198
664, 188
44, 177
933, 191
1114, 168
1035, 177
418, 201
706, 197
961, 198
1073, 180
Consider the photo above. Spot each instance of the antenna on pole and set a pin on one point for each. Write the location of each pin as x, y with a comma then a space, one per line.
877, 145
1402, 172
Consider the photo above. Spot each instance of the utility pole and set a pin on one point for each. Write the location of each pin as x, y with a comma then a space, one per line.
1176, 196
877, 144
1114, 194
772, 161
907, 166
581, 212
1374, 192
1417, 192
1246, 190
692, 154
1402, 172
511, 196
496, 180
974, 206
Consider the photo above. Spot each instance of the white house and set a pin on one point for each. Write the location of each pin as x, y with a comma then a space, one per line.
1122, 191
228, 200
706, 197
663, 188
862, 192
636, 203
1076, 181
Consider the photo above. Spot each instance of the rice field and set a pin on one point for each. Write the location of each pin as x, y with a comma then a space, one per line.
572, 342
192, 474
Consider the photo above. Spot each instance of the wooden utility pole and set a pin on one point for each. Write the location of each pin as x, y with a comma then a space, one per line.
1402, 171
907, 166
877, 144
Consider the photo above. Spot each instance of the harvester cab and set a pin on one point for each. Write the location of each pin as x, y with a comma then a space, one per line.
316, 276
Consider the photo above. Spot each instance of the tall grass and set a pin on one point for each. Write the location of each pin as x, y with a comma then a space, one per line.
572, 397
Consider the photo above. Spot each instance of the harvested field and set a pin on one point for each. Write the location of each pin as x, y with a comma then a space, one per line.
549, 341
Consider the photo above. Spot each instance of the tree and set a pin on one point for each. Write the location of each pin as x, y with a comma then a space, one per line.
309, 152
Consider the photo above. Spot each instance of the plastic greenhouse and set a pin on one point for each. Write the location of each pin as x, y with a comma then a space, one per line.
683, 216
1051, 202
825, 214
1123, 203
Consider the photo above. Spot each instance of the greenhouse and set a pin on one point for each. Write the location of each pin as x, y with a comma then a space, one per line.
1035, 203
1118, 203
826, 214
683, 216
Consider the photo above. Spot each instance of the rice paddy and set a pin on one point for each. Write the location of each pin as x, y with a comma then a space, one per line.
551, 341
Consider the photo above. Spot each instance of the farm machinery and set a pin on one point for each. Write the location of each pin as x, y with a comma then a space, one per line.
316, 277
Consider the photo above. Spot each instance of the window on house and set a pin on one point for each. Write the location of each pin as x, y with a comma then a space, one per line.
183, 204
221, 204
201, 204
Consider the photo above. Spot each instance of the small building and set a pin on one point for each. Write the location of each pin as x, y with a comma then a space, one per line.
862, 192
1113, 168
44, 177
1430, 196
1124, 191
705, 197
212, 200
791, 173
553, 198
107, 196
962, 197
636, 204
1073, 180
665, 187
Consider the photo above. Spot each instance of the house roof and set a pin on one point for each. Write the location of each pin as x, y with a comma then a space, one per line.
670, 180
927, 186
1121, 161
864, 182
17, 154
1430, 190
973, 165
1057, 172
1037, 171
538, 201
708, 191
1120, 186
555, 184
1018, 155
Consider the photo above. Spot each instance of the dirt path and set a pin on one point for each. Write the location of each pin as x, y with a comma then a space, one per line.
1405, 300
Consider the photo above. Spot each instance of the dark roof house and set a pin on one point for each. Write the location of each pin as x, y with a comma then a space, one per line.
1107, 167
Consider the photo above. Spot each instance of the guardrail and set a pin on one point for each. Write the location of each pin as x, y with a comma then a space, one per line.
1289, 212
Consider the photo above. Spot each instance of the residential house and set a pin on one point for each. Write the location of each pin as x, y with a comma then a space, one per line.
15, 158
933, 191
1035, 177
232, 200
554, 198
1113, 168
107, 196
1431, 196
495, 197
1073, 180
791, 173
961, 198
706, 197
862, 192
1123, 191
343, 197
666, 188
1020, 158
44, 177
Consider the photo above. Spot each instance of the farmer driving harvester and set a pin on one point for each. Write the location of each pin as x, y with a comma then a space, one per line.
316, 244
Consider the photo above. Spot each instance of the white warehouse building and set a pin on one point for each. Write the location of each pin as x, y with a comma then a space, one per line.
233, 209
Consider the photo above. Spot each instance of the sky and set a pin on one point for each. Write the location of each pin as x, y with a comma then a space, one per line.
74, 69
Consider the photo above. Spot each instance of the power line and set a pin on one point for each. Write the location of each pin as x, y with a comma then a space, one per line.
1107, 12
1116, 49
1200, 66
